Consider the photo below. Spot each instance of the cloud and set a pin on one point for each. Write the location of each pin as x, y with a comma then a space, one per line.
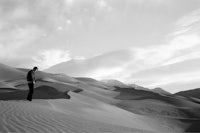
49, 58
181, 58
179, 78
177, 50
98, 66
104, 73
189, 20
14, 43
183, 44
177, 82
24, 25
175, 61
187, 35
151, 2
69, 2
167, 70
104, 5
122, 65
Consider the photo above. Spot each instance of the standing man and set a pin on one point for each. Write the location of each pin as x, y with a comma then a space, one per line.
31, 81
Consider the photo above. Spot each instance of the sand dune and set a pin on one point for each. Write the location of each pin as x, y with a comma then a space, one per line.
65, 104
93, 82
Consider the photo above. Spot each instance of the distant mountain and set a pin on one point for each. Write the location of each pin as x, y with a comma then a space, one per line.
195, 93
160, 91
137, 87
92, 82
156, 90
115, 83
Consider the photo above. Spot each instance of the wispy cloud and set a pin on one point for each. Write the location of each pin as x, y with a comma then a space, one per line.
26, 26
17, 41
183, 44
176, 61
179, 46
189, 20
151, 2
22, 25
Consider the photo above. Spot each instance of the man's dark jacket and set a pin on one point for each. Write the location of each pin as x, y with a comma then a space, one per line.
31, 76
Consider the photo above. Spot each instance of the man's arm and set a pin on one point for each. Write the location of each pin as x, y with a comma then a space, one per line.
33, 77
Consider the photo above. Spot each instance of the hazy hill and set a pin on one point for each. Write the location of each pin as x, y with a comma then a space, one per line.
8, 73
195, 93
114, 83
160, 91
137, 87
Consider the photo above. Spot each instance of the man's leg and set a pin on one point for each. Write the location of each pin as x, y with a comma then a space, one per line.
31, 91
29, 97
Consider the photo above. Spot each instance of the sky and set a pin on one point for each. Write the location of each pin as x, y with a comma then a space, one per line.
162, 38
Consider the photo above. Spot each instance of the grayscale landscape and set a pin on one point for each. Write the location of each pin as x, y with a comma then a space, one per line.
99, 66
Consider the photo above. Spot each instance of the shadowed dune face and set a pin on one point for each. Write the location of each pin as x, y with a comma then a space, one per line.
5, 85
131, 93
42, 92
2, 90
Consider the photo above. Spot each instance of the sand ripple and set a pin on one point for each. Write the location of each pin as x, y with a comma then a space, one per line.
38, 116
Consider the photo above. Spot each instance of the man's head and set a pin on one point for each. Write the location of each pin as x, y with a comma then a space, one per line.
35, 68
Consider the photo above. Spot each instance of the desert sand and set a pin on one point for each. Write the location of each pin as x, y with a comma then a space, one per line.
84, 105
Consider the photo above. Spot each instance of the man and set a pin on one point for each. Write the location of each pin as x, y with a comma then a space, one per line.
31, 81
